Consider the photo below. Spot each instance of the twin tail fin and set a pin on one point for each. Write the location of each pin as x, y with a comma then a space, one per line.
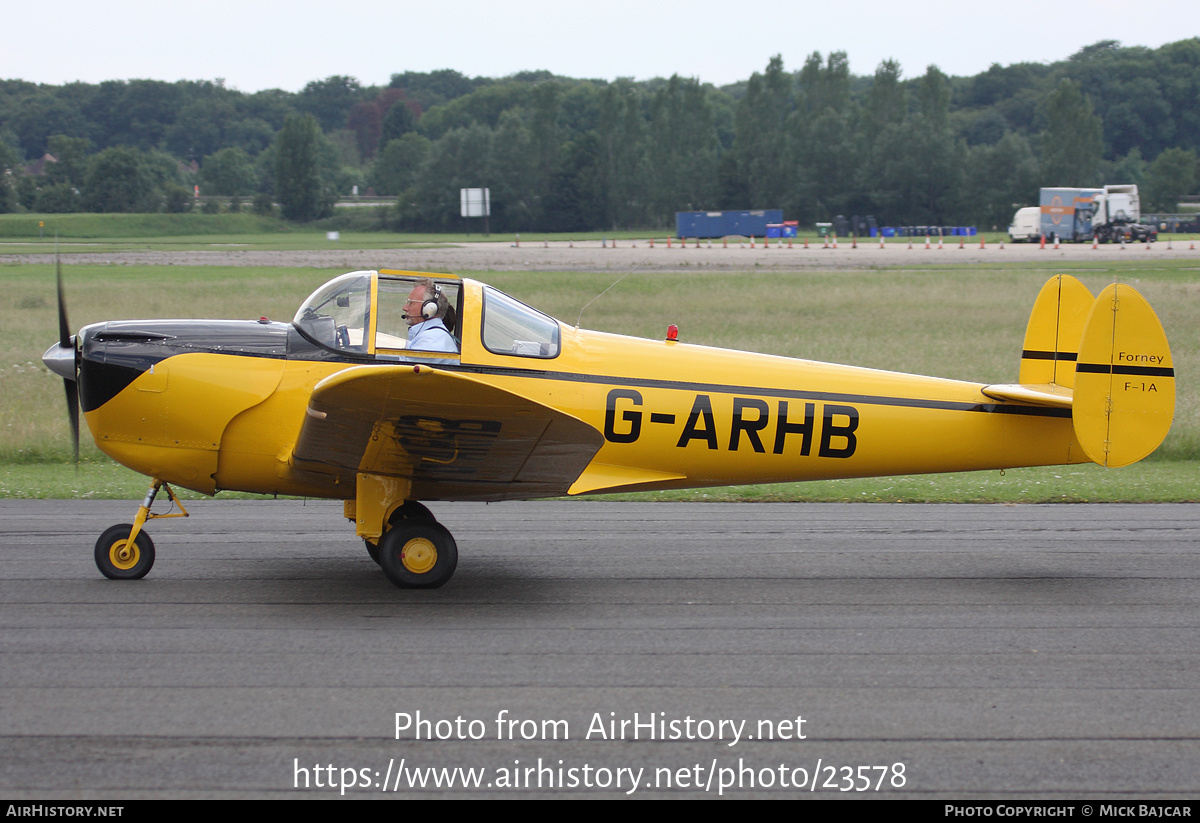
1107, 359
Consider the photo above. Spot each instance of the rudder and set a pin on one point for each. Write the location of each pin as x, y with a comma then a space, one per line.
1054, 331
1124, 398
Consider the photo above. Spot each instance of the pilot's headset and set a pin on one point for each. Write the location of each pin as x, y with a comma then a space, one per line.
432, 306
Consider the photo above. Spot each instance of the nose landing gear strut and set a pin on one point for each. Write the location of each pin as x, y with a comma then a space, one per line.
125, 552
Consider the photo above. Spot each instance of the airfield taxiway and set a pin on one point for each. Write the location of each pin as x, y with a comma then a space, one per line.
953, 651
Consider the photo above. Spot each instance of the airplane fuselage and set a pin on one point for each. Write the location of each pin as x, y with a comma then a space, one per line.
219, 405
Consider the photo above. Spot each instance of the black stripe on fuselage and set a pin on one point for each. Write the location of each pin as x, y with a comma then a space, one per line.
762, 391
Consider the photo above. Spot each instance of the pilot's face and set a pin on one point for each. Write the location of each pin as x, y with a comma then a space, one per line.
412, 306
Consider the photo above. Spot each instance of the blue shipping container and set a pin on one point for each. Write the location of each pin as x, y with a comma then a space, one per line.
723, 223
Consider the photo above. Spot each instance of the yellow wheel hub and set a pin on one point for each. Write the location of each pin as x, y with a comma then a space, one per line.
419, 555
124, 555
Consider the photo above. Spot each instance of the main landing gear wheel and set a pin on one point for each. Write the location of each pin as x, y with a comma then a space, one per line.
410, 510
118, 559
418, 554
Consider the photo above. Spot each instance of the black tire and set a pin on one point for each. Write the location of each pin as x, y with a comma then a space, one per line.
418, 554
408, 510
411, 510
116, 564
372, 550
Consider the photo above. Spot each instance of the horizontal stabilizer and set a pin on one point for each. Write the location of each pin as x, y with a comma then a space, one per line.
1046, 394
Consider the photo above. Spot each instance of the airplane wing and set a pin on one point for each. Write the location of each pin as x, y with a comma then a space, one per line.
451, 434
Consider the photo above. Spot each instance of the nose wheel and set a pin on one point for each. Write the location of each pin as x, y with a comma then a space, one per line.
125, 552
120, 558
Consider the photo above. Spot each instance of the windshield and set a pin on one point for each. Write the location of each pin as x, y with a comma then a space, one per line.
336, 314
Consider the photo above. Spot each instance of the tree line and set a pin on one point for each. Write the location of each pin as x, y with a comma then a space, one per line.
564, 154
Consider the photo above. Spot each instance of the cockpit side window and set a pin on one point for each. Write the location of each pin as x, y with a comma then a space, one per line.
391, 328
511, 327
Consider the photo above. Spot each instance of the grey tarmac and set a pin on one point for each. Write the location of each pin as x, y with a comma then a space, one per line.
1008, 652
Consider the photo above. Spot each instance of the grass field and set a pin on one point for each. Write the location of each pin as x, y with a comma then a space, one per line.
958, 322
20, 234
118, 226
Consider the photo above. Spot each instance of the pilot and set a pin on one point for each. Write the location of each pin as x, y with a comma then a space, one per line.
424, 312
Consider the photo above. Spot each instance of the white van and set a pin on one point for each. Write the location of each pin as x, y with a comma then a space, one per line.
1026, 226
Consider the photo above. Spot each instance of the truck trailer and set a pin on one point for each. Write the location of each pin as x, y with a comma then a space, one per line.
1110, 214
747, 223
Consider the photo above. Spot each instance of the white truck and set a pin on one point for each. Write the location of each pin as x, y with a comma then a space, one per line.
1080, 214
1117, 215
1026, 225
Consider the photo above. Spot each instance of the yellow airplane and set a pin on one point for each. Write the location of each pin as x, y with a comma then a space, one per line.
390, 387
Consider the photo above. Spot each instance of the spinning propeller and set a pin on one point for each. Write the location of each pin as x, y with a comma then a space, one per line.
61, 359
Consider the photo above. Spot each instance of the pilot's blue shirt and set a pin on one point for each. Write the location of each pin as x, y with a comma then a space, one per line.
431, 335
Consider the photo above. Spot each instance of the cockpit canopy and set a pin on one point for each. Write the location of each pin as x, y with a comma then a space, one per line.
364, 312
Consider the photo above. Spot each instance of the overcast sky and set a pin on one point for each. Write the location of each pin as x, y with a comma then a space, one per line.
260, 44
